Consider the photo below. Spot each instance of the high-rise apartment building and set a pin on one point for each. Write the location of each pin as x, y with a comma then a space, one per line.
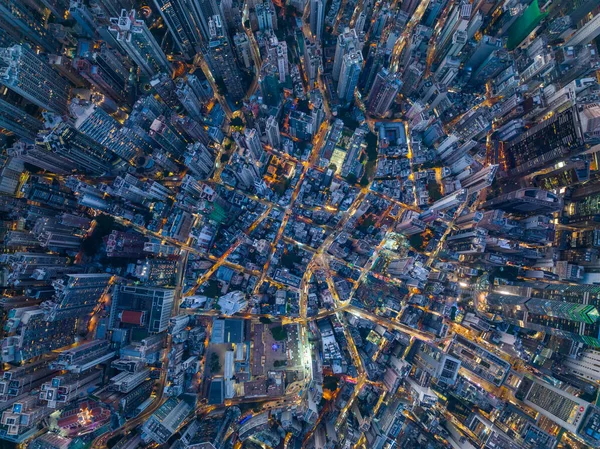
75, 295
222, 60
346, 42
317, 19
349, 74
383, 93
137, 41
30, 76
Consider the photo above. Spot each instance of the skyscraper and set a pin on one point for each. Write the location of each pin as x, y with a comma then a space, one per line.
346, 42
349, 74
317, 18
96, 123
561, 407
567, 311
108, 71
22, 22
183, 22
137, 41
18, 121
384, 91
33, 78
200, 160
272, 131
222, 60
83, 152
75, 295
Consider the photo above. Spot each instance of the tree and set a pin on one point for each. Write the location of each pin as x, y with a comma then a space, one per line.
331, 383
351, 179
221, 87
371, 141
265, 320
215, 365
104, 226
237, 122
279, 333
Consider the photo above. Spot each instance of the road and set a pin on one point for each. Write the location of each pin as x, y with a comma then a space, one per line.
100, 441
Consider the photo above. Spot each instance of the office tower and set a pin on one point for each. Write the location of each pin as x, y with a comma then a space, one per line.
566, 311
346, 42
150, 121
21, 21
551, 139
317, 19
272, 130
459, 39
31, 77
40, 157
473, 124
382, 95
359, 24
75, 295
200, 86
434, 8
349, 74
409, 6
137, 41
19, 122
147, 307
352, 163
24, 265
165, 421
204, 11
222, 60
30, 335
555, 404
200, 160
191, 130
447, 70
411, 227
183, 22
83, 152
